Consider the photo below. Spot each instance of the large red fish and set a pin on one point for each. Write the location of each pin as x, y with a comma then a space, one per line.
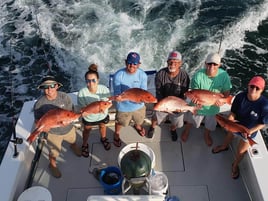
174, 104
233, 127
136, 95
206, 97
96, 107
52, 119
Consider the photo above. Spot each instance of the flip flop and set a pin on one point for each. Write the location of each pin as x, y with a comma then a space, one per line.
141, 131
219, 150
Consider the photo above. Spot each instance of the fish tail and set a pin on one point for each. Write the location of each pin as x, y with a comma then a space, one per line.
33, 135
229, 100
251, 142
193, 110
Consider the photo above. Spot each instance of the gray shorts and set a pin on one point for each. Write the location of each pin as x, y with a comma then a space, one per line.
137, 116
176, 119
209, 121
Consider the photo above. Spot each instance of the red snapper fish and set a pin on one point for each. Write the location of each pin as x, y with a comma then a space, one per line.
52, 119
96, 107
206, 97
174, 104
136, 95
233, 127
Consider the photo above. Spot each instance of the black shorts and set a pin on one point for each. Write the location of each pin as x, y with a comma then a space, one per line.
105, 121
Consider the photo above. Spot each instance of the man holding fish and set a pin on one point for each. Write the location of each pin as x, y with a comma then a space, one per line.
210, 89
250, 110
62, 105
131, 76
171, 83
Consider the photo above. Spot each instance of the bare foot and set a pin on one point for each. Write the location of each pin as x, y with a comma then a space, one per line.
185, 135
208, 139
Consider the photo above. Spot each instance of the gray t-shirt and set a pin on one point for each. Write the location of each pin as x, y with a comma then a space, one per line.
43, 105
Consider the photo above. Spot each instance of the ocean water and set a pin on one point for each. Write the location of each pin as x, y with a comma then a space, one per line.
62, 37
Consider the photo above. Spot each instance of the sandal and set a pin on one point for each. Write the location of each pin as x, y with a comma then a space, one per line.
218, 149
105, 143
141, 131
235, 173
85, 151
117, 142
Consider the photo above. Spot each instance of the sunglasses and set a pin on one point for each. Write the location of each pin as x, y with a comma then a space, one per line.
129, 63
52, 86
254, 87
91, 80
212, 64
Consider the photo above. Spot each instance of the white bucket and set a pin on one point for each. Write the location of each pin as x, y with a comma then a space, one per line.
35, 193
142, 147
159, 183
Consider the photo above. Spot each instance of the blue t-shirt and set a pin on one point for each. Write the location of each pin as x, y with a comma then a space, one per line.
123, 81
250, 113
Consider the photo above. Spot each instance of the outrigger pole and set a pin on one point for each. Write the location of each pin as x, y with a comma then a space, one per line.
15, 139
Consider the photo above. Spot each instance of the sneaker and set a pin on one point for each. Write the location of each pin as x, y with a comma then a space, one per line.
150, 133
174, 135
54, 171
76, 150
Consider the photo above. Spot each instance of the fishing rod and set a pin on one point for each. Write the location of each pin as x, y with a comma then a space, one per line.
35, 161
40, 142
221, 40
15, 139
41, 36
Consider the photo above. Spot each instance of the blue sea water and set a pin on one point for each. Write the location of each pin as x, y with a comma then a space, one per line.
62, 37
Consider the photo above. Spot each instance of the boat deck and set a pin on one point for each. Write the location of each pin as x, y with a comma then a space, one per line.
194, 173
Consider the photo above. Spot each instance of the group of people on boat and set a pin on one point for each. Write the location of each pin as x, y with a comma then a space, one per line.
249, 108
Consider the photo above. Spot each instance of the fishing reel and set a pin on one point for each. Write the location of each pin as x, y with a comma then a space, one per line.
17, 140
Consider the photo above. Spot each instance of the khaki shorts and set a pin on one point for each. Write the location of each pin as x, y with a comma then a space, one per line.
55, 141
124, 118
176, 119
209, 121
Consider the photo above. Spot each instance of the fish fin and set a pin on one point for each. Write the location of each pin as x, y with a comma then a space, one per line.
33, 135
112, 98
251, 142
229, 100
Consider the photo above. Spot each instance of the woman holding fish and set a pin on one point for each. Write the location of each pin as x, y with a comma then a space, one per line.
171, 83
210, 87
131, 76
91, 93
249, 109
53, 114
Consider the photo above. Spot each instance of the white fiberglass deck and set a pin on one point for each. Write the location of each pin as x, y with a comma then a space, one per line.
194, 173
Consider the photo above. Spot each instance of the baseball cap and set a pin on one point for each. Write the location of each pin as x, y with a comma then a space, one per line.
257, 81
133, 58
47, 80
213, 58
174, 55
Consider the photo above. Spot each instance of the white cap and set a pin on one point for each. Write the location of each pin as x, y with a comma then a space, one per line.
174, 55
213, 58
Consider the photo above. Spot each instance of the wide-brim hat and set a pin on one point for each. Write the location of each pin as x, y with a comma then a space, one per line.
49, 80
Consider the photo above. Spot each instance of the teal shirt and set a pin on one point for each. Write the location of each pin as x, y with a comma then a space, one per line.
85, 97
220, 83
